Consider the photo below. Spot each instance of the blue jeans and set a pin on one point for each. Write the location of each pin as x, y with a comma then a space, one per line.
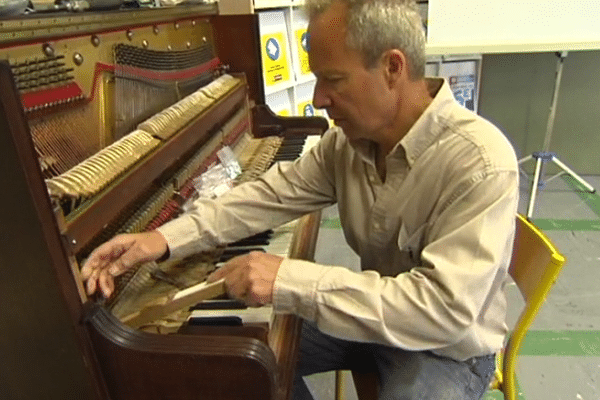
403, 375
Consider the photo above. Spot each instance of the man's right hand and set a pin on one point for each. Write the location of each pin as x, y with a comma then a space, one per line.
118, 255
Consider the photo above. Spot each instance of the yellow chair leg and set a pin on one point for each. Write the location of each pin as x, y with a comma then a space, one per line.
339, 385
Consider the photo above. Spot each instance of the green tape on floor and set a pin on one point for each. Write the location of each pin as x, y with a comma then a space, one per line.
497, 395
567, 225
493, 395
561, 343
543, 224
331, 223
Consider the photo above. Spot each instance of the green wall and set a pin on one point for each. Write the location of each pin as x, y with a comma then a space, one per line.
516, 93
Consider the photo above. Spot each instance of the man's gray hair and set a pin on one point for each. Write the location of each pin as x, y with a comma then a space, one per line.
375, 26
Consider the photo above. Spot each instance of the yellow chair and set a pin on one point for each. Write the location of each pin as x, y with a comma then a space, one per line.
534, 267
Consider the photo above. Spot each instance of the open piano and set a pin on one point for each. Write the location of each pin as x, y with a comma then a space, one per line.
106, 120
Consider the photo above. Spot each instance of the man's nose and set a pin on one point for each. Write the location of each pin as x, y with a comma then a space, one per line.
321, 98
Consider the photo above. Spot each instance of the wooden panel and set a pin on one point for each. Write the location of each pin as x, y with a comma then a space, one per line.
144, 366
45, 353
237, 43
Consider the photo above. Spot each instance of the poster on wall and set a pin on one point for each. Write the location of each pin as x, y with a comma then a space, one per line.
302, 46
306, 109
462, 77
280, 102
274, 45
274, 55
299, 35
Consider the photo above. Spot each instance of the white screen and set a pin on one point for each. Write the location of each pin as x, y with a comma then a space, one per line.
523, 25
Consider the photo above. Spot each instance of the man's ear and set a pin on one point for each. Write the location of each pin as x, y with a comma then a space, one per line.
395, 65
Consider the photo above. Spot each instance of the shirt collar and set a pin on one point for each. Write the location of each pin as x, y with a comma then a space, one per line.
426, 130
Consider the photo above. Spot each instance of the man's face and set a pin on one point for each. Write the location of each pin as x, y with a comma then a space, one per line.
357, 98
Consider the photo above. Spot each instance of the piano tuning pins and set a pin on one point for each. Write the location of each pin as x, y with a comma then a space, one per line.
77, 59
95, 39
129, 35
156, 29
48, 50
145, 43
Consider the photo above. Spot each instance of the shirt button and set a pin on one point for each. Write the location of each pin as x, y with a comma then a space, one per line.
377, 225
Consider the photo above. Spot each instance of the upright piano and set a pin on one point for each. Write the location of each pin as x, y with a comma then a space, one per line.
107, 121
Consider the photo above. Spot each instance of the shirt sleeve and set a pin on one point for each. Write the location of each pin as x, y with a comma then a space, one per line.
285, 192
436, 303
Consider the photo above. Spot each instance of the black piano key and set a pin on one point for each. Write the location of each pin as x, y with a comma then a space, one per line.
286, 158
228, 254
254, 241
225, 304
290, 149
258, 239
215, 321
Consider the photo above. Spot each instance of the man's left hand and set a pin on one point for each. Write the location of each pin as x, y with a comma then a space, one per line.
250, 277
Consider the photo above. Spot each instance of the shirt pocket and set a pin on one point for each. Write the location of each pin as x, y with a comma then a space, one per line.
411, 244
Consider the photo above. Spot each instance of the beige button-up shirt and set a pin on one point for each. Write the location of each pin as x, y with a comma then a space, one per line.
434, 239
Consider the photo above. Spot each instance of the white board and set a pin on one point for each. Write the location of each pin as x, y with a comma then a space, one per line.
481, 26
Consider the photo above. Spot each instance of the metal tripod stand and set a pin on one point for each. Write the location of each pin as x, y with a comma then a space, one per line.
544, 156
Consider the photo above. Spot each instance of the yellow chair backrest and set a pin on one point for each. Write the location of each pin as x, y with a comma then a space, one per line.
535, 266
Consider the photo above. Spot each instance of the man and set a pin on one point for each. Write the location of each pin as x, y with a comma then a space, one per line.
427, 194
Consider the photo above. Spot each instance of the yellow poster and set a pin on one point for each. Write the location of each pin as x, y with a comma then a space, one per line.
302, 45
306, 109
276, 67
284, 112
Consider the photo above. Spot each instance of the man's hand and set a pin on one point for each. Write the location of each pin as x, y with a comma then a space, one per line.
250, 277
118, 255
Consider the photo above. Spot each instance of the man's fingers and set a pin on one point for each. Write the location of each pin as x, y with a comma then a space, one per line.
91, 282
86, 270
120, 265
118, 255
103, 255
236, 283
106, 283
225, 270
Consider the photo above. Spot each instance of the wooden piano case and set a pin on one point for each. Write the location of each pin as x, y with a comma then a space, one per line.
55, 343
